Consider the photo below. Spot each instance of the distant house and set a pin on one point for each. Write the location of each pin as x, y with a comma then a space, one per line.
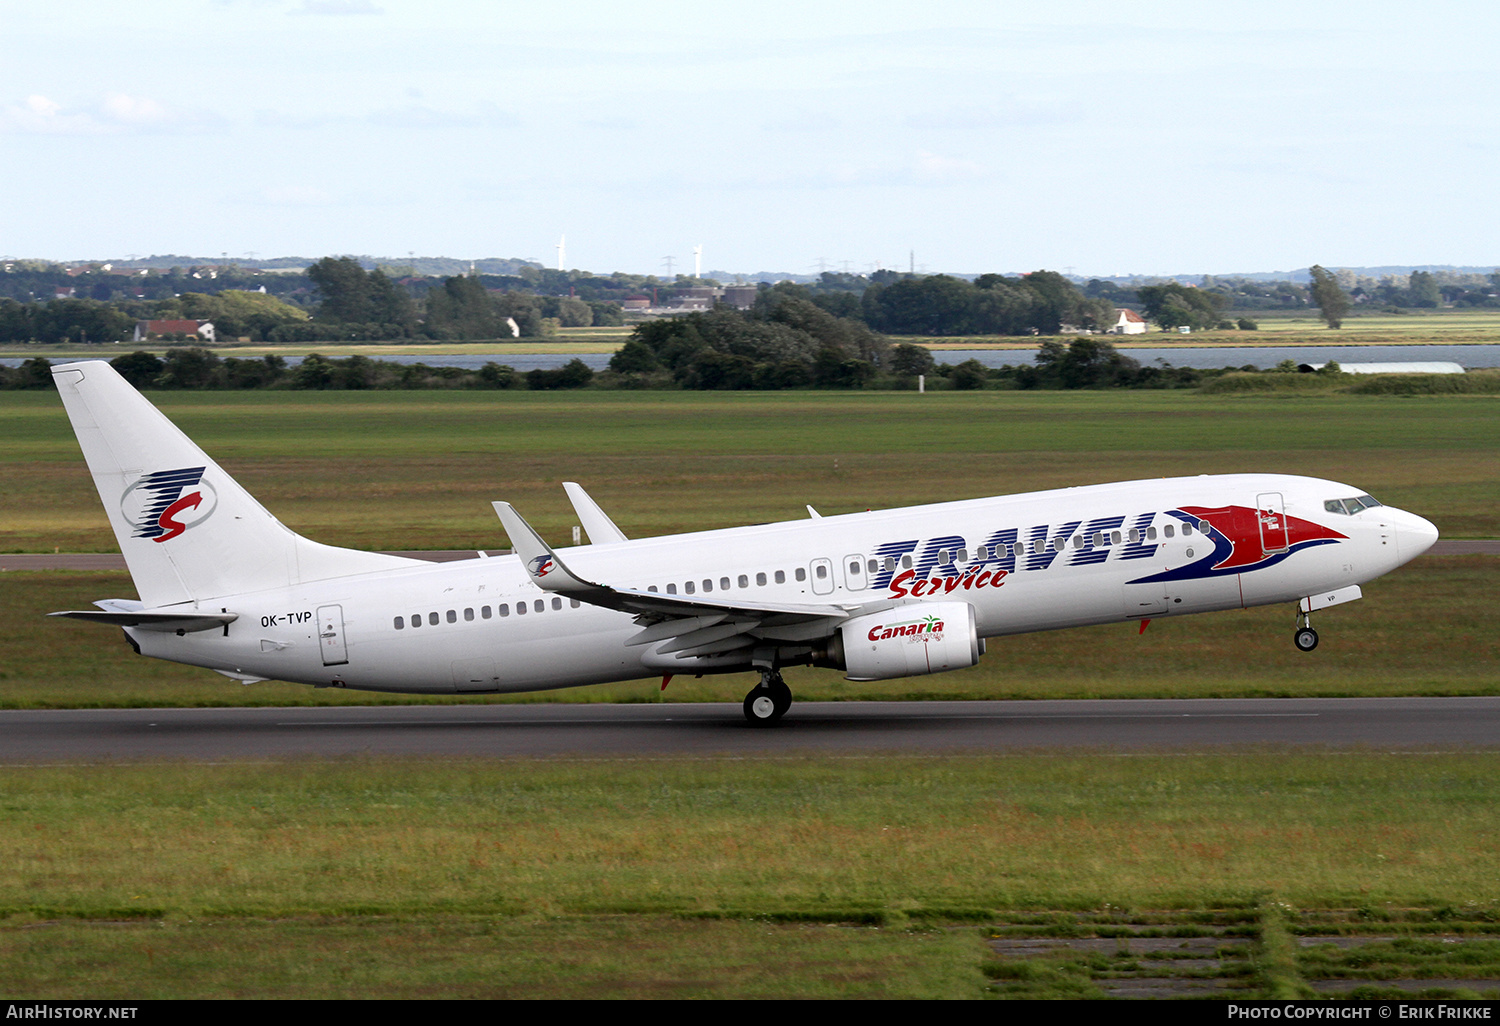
156, 329
1128, 323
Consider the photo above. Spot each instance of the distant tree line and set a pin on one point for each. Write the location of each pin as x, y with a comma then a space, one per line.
337, 299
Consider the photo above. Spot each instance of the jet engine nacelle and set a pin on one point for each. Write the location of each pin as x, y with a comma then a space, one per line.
906, 641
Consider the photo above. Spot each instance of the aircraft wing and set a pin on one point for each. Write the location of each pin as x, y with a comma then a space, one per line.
689, 625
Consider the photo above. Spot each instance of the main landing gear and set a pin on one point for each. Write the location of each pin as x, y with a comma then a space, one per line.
1306, 639
769, 700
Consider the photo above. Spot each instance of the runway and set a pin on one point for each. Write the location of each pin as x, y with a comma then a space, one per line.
719, 730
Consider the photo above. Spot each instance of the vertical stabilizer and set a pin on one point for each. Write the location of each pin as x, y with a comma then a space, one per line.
187, 529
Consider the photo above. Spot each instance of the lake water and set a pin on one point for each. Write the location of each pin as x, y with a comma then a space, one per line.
1178, 356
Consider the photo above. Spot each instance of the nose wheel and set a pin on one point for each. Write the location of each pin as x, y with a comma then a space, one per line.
1306, 639
769, 700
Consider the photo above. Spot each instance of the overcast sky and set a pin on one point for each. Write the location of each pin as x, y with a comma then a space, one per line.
1152, 137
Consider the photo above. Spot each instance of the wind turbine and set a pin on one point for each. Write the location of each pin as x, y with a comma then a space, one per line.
562, 250
698, 260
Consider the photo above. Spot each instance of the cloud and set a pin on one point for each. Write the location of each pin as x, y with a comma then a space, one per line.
933, 167
116, 114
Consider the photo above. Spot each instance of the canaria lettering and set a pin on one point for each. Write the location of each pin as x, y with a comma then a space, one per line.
930, 626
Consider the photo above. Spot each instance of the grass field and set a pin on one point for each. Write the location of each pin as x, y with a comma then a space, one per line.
785, 877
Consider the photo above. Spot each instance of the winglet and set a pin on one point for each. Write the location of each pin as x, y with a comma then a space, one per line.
542, 565
595, 521
813, 513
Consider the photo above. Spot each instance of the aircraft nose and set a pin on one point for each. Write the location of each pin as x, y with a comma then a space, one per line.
1414, 534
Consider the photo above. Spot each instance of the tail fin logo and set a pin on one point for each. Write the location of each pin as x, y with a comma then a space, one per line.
541, 566
164, 504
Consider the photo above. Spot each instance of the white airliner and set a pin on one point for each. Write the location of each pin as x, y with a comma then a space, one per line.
882, 594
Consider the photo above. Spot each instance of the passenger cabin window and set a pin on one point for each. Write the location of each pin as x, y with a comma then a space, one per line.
688, 588
1167, 531
452, 616
468, 614
484, 611
963, 555
724, 584
781, 577
432, 618
1187, 529
505, 609
557, 603
760, 580
539, 605
671, 589
416, 620
400, 623
1151, 534
1114, 537
873, 566
744, 581
906, 562
520, 608
821, 571
801, 575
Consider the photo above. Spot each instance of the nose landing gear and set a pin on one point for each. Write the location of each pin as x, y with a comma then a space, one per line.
769, 700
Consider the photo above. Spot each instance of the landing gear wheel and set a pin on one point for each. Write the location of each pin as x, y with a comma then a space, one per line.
768, 701
1305, 639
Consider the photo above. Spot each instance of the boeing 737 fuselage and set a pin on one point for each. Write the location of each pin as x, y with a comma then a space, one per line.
881, 594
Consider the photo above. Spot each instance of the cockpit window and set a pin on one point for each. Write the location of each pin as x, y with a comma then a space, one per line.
1350, 506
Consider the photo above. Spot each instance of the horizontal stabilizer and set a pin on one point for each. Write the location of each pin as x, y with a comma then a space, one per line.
165, 621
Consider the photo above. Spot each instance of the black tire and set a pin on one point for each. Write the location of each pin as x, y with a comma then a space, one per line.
1305, 639
761, 707
782, 696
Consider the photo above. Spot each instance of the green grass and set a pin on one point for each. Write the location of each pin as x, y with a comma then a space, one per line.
816, 877
1426, 629
419, 469
822, 838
